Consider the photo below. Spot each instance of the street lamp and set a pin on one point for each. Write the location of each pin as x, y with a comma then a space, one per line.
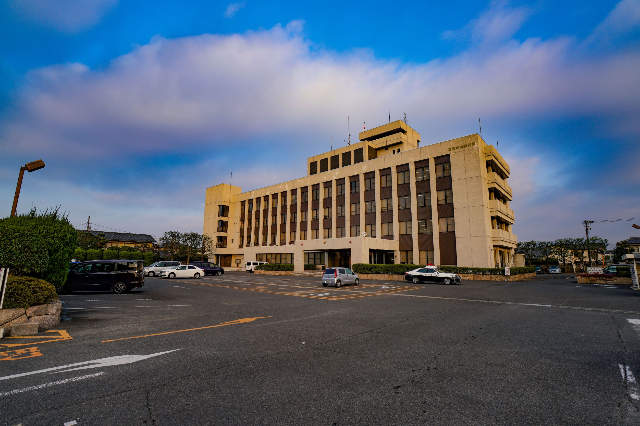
30, 167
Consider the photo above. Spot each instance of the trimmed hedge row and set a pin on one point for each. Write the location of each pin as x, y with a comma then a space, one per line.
310, 267
23, 292
275, 267
110, 254
401, 269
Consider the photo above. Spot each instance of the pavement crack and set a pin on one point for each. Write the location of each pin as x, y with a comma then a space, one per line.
147, 404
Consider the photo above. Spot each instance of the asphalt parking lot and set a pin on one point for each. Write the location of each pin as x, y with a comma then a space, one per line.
254, 349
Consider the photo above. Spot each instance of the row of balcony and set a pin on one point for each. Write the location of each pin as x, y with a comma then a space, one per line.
501, 237
495, 206
495, 180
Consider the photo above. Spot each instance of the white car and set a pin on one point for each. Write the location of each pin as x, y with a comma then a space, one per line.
182, 271
432, 274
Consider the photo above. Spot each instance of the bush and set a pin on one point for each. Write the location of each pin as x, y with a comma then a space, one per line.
79, 254
275, 267
392, 269
110, 254
94, 254
623, 272
149, 258
47, 232
23, 292
310, 267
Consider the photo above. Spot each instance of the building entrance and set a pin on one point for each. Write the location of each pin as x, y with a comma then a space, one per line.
381, 257
224, 260
339, 258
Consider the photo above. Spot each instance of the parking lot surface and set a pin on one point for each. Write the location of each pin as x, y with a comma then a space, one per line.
255, 349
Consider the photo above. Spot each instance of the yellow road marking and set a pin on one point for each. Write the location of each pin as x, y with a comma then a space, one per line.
238, 321
20, 354
62, 335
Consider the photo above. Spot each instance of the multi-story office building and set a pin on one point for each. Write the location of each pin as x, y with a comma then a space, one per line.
384, 199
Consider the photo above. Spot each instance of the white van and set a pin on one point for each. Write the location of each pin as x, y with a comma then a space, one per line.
250, 266
155, 268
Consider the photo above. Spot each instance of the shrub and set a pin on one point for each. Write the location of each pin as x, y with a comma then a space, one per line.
136, 255
608, 276
149, 258
79, 254
110, 254
275, 267
47, 232
94, 254
21, 250
392, 269
310, 267
22, 292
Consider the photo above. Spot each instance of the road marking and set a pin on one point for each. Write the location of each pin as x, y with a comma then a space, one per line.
178, 305
71, 423
17, 354
96, 363
499, 302
46, 385
630, 380
143, 306
234, 322
62, 335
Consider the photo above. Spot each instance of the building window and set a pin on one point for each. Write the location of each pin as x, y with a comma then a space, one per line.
294, 217
335, 161
258, 204
422, 173
355, 209
370, 206
386, 204
242, 207
326, 233
248, 240
242, 224
425, 226
273, 220
305, 196
314, 258
250, 207
403, 177
241, 241
340, 189
283, 238
447, 224
426, 257
314, 214
340, 211
264, 221
355, 231
264, 238
340, 232
313, 167
327, 192
406, 256
223, 211
324, 165
405, 228
327, 212
292, 236
294, 199
445, 196
387, 229
283, 218
355, 186
424, 199
314, 234
404, 202
283, 200
223, 225
370, 230
303, 216
274, 201
315, 194
346, 158
385, 181
222, 242
303, 234
443, 169
370, 183
273, 239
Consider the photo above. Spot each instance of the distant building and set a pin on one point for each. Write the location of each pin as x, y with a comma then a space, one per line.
124, 239
633, 243
384, 199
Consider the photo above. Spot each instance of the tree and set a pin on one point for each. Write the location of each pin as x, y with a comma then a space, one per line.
207, 246
545, 249
89, 241
620, 250
597, 245
579, 246
191, 244
562, 249
530, 250
171, 242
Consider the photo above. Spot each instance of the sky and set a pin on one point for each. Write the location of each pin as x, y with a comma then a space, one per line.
137, 107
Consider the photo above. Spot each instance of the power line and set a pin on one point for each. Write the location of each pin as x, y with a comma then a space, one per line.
616, 220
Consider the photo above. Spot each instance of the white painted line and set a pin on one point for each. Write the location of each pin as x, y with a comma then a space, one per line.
143, 299
46, 385
96, 363
104, 307
93, 300
635, 323
630, 381
146, 306
537, 304
178, 305
76, 309
71, 423
177, 286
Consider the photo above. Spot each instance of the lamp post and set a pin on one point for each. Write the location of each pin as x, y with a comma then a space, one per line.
30, 167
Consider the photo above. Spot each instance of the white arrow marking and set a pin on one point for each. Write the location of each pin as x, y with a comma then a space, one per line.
96, 363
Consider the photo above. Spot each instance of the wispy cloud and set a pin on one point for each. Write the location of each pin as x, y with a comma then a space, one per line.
64, 15
624, 18
232, 9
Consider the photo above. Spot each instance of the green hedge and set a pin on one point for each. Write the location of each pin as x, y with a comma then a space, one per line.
401, 269
275, 267
23, 292
310, 267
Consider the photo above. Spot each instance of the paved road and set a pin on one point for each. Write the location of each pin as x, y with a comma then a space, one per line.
250, 349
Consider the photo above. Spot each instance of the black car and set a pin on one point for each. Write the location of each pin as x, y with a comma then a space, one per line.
118, 276
208, 267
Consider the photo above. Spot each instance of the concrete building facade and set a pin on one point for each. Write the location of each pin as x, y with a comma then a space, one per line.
383, 199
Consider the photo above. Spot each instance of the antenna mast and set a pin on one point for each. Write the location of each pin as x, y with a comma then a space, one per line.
349, 129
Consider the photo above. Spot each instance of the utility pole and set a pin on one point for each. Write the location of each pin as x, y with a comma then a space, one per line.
587, 226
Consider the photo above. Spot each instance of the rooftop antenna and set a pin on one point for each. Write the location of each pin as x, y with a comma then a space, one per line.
349, 129
231, 180
480, 124
331, 143
389, 115
89, 223
405, 118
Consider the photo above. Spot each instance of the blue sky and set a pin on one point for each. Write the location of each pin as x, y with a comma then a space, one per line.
138, 107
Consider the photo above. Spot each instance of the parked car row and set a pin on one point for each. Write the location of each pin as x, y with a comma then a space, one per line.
172, 269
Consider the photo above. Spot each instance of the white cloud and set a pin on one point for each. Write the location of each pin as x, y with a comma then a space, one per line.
622, 19
64, 15
232, 9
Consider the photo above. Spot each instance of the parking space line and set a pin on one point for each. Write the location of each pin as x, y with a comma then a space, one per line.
234, 322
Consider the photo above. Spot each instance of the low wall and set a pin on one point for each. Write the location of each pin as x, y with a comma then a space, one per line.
46, 316
604, 280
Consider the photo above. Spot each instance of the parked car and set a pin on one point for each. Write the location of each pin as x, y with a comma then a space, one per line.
182, 271
118, 276
431, 274
155, 268
554, 270
208, 267
339, 276
250, 266
538, 269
